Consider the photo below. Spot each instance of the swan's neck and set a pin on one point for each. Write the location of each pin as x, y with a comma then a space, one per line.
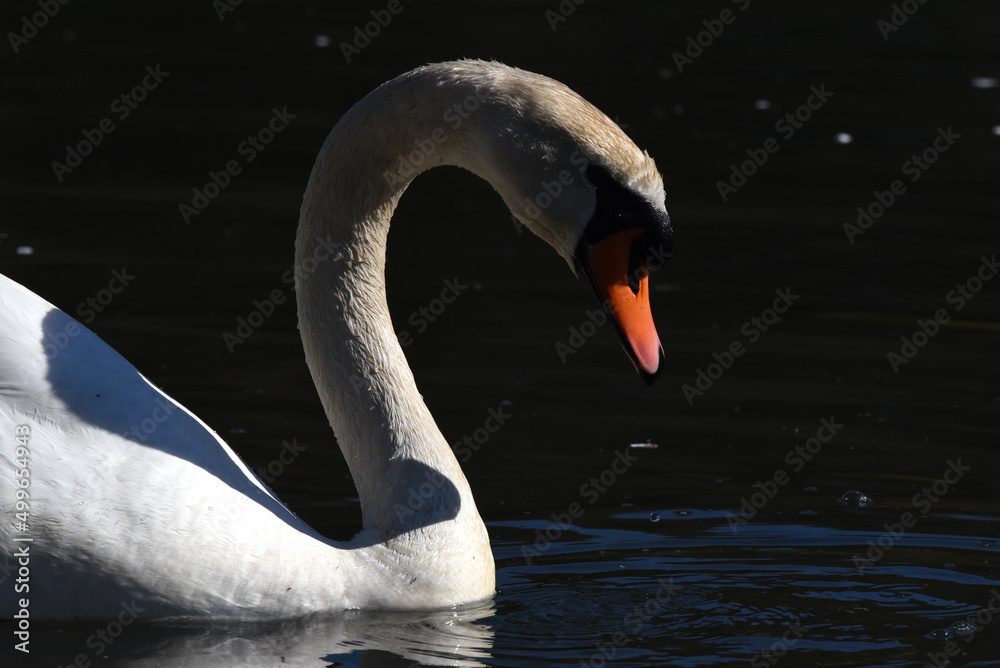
406, 475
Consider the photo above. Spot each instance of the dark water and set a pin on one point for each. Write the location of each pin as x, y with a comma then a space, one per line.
724, 545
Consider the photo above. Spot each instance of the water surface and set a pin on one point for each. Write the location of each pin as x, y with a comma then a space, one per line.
725, 544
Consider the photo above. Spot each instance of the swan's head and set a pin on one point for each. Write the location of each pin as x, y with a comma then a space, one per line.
626, 238
573, 177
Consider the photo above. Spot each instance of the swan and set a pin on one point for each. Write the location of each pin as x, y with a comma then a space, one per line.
119, 503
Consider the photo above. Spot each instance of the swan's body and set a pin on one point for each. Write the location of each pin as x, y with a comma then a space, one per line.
135, 502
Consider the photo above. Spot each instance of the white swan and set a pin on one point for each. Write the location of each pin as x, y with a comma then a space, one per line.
134, 507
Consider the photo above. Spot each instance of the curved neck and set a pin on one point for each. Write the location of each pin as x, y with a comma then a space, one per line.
389, 439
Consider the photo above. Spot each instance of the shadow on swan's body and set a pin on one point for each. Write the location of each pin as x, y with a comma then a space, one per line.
133, 500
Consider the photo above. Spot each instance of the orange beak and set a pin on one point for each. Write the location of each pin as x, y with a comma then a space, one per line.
625, 298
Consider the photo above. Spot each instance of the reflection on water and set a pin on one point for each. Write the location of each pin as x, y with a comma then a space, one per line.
802, 579
452, 638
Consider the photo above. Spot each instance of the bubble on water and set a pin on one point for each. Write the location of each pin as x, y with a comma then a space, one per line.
963, 629
940, 636
984, 82
654, 517
854, 500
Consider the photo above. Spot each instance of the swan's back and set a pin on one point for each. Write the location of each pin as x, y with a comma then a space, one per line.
127, 489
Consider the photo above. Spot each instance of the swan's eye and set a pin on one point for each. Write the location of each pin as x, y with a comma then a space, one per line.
648, 253
635, 275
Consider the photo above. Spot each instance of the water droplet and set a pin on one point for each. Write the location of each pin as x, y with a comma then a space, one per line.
811, 488
25, 250
854, 500
654, 517
843, 138
683, 513
986, 543
761, 105
322, 41
985, 82
963, 629
940, 636
648, 444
